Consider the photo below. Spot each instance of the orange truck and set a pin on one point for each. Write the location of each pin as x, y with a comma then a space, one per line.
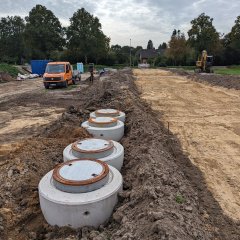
59, 74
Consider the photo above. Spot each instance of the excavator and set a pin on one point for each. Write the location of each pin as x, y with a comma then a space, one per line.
204, 63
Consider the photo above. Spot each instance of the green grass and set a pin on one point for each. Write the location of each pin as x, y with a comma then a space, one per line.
232, 70
180, 199
183, 67
6, 68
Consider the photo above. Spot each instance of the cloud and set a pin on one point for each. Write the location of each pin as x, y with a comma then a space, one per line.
63, 9
139, 20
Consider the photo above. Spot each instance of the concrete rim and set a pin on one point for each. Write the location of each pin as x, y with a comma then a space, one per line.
107, 112
60, 179
75, 147
48, 191
86, 125
115, 159
121, 116
110, 120
117, 150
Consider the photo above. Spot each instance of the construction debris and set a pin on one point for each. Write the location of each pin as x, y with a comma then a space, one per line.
26, 76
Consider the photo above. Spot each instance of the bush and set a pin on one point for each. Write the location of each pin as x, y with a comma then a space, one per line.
9, 60
161, 61
10, 69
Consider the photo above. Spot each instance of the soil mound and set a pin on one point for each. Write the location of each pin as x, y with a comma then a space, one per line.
5, 77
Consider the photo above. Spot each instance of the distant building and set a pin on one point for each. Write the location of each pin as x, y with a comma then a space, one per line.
146, 54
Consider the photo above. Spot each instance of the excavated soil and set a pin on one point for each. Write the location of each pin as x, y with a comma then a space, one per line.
5, 77
226, 81
164, 194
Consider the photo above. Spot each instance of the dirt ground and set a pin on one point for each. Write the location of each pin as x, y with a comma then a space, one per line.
5, 77
206, 120
164, 195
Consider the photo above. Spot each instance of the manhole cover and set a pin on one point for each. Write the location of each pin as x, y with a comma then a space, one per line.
78, 176
107, 112
93, 148
102, 122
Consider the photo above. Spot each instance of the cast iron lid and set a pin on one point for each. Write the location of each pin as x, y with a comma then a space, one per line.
92, 145
107, 112
103, 121
80, 175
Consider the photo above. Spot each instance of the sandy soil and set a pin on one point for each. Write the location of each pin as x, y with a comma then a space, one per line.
164, 195
23, 121
206, 120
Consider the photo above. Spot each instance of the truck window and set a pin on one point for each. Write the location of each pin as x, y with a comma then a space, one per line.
55, 68
68, 68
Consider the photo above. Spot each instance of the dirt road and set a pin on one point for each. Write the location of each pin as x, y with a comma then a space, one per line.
20, 117
13, 88
26, 106
206, 119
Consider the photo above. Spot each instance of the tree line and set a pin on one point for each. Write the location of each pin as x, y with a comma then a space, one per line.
40, 35
202, 36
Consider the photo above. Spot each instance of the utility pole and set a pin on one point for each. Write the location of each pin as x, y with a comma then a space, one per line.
130, 54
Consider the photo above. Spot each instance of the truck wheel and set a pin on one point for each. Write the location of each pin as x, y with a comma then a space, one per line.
46, 85
65, 84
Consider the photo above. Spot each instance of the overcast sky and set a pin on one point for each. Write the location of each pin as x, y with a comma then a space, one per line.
139, 20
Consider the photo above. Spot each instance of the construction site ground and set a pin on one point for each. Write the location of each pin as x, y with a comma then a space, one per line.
181, 183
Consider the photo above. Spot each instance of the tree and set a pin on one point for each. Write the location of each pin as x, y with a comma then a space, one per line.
117, 55
84, 35
43, 33
235, 34
122, 54
162, 46
232, 44
178, 50
203, 35
11, 39
116, 48
150, 44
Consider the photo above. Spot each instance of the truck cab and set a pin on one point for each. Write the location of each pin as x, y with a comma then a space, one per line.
59, 74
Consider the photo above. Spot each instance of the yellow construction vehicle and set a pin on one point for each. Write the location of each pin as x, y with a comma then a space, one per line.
204, 63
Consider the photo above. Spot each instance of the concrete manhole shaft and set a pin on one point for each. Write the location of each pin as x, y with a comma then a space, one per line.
108, 112
79, 209
108, 151
105, 128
